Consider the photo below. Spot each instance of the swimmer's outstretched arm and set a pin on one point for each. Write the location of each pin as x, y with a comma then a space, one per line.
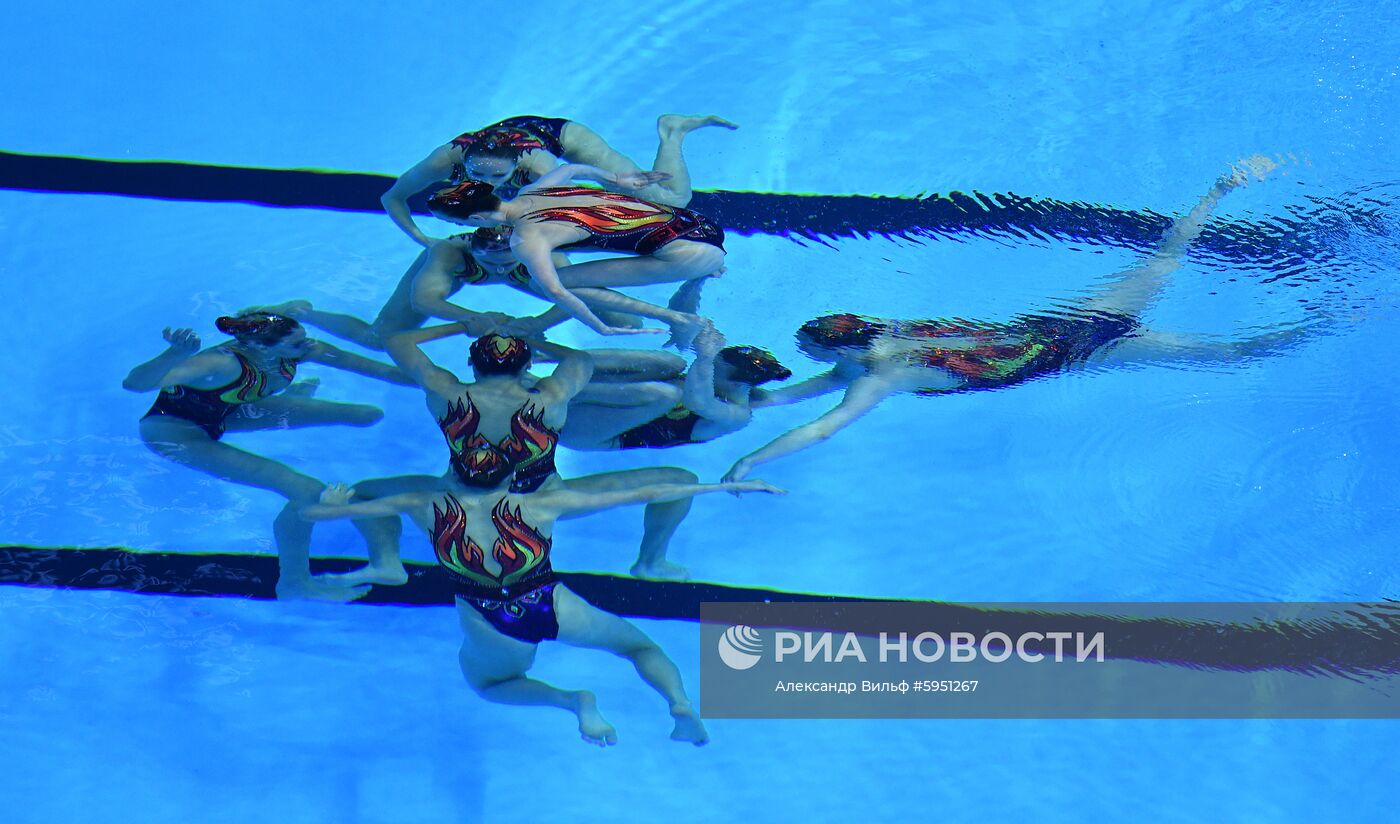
698, 391
184, 344
405, 349
573, 504
536, 256
574, 371
435, 168
569, 172
864, 394
323, 352
434, 282
336, 502
828, 381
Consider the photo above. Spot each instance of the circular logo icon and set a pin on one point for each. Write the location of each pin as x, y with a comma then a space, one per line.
739, 647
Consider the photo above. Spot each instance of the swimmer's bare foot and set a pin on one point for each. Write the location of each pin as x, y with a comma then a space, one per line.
1255, 166
687, 296
316, 590
367, 574
672, 126
660, 571
684, 331
304, 388
591, 725
688, 726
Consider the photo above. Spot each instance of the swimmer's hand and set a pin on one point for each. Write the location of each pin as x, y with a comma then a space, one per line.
485, 323
638, 180
523, 328
183, 341
337, 495
738, 472
740, 487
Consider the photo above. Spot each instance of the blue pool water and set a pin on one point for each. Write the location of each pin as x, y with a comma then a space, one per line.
1270, 481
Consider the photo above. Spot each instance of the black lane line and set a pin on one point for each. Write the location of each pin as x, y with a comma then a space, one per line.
1354, 645
1278, 244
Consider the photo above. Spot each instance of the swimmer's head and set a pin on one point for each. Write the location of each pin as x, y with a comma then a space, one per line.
491, 245
464, 202
499, 355
483, 467
279, 334
491, 240
751, 365
491, 159
825, 336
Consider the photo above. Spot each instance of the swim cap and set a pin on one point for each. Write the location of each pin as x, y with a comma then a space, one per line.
484, 466
499, 144
464, 200
491, 239
499, 355
262, 328
841, 330
752, 365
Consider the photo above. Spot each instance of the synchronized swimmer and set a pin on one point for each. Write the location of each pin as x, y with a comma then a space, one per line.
490, 516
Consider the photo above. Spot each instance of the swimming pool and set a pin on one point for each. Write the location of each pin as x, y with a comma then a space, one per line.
1268, 481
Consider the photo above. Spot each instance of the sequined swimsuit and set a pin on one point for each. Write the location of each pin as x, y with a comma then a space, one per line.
474, 274
674, 428
519, 600
625, 224
524, 133
529, 446
1007, 354
209, 408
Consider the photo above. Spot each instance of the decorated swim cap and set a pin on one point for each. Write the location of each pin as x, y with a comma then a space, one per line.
463, 200
491, 239
483, 467
262, 328
499, 355
835, 331
752, 365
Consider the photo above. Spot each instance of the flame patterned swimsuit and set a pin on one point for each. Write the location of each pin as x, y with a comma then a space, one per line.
624, 223
519, 600
529, 446
475, 274
1008, 354
524, 133
209, 408
674, 428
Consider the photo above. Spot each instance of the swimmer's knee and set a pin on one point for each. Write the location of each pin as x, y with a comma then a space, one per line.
661, 392
676, 475
637, 649
365, 415
705, 260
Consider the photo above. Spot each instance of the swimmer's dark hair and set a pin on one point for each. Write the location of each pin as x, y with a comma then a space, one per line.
262, 328
499, 355
843, 330
467, 198
483, 467
754, 366
490, 239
